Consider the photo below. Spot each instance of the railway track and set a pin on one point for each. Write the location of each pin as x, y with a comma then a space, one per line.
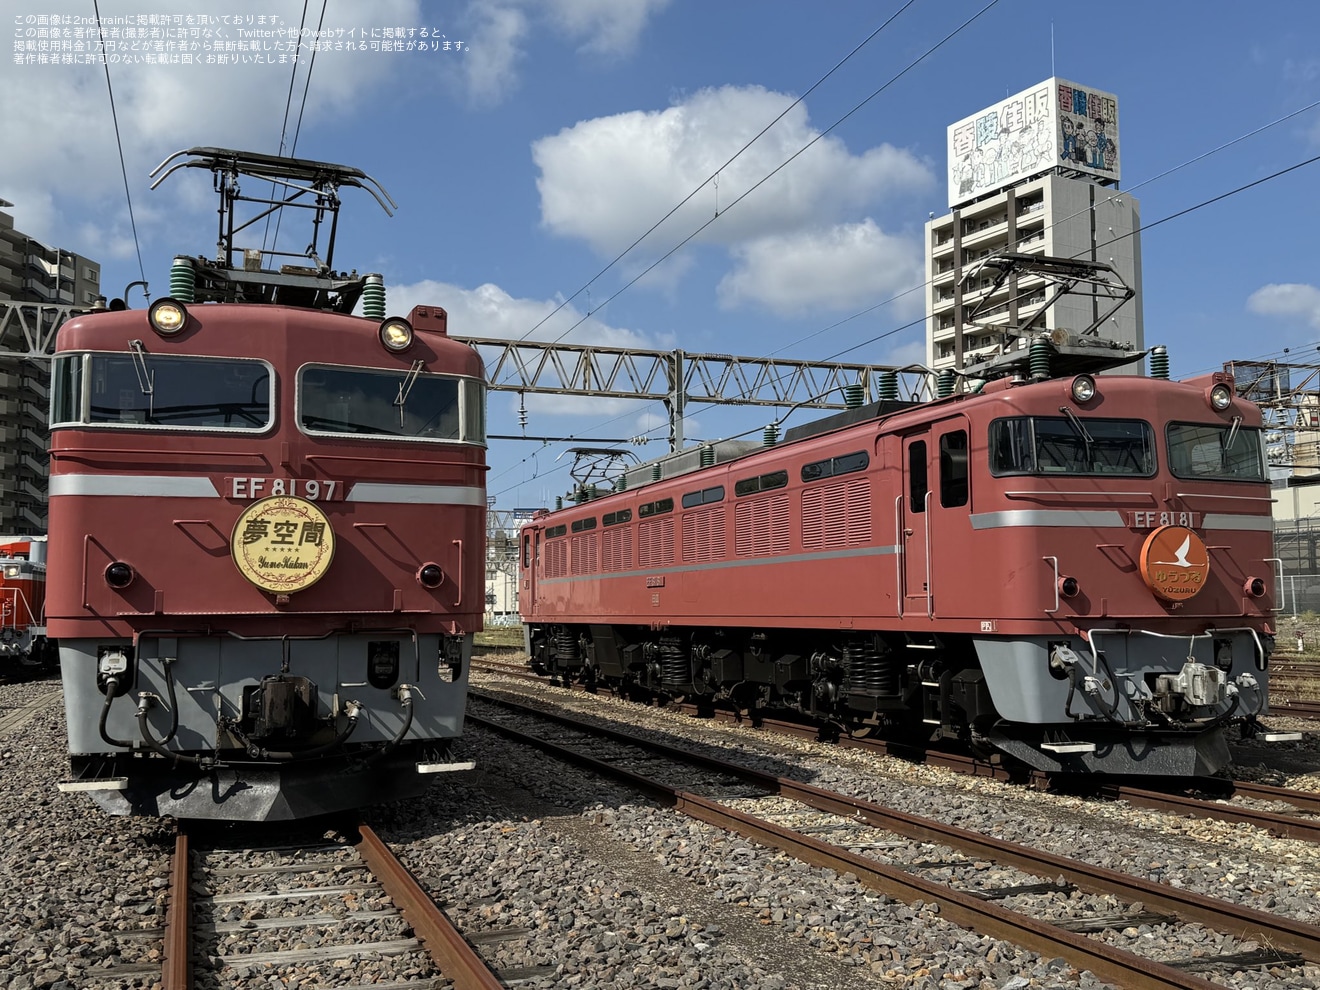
1289, 943
1298, 709
1286, 824
335, 907
16, 718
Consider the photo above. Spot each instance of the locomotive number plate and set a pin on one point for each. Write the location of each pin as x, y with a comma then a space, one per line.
1151, 519
309, 488
655, 580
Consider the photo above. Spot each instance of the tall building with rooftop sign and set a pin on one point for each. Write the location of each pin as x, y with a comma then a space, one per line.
1034, 174
31, 273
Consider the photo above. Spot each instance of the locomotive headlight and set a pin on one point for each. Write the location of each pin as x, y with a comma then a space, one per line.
119, 575
1083, 388
167, 316
396, 334
11, 570
1221, 397
1254, 587
430, 575
1069, 587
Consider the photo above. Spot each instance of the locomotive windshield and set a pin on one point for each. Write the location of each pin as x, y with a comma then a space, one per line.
1199, 450
143, 390
376, 402
1062, 445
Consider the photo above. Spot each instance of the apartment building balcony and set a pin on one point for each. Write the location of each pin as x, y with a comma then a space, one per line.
33, 413
34, 385
29, 463
995, 234
36, 522
42, 264
37, 494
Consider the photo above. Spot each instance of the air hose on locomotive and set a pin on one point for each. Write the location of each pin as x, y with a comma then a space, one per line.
352, 710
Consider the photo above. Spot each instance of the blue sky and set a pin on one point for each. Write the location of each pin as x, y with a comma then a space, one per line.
563, 129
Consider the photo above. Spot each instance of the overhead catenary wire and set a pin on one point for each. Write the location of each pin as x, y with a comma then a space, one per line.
307, 85
715, 175
288, 103
123, 168
775, 171
884, 302
1173, 216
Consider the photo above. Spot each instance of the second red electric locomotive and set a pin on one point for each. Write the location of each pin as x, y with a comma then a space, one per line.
1076, 571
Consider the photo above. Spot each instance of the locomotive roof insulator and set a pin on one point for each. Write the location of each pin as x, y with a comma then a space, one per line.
167, 316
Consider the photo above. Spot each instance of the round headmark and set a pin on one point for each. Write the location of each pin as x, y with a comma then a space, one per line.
282, 544
1174, 563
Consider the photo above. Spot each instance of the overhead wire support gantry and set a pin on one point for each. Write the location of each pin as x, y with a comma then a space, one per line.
678, 377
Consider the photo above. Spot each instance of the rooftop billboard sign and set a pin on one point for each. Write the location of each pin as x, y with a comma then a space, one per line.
1055, 124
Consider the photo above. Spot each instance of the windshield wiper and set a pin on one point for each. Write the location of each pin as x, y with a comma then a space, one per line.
1080, 429
145, 376
405, 387
1229, 440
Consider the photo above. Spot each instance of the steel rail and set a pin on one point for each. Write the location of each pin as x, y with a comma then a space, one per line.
1269, 928
1112, 965
1302, 800
1297, 709
1288, 826
458, 961
176, 970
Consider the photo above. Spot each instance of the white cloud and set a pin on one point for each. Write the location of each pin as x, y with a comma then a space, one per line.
607, 27
1288, 299
489, 311
608, 179
499, 33
840, 268
69, 139
490, 64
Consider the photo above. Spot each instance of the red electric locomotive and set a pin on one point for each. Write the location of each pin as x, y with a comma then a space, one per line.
24, 648
1076, 571
267, 528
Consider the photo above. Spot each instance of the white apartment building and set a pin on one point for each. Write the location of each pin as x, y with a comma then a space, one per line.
1036, 174
31, 272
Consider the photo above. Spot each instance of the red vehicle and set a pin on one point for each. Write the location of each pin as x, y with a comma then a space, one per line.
267, 528
1076, 571
24, 648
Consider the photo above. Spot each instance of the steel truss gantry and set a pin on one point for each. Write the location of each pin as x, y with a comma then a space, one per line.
678, 377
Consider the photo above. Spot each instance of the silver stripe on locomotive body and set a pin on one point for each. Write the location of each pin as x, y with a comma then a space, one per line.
365, 491
156, 486
1048, 517
1236, 520
1106, 517
719, 565
170, 486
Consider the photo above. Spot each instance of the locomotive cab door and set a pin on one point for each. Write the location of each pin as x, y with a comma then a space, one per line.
934, 524
912, 514
530, 559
